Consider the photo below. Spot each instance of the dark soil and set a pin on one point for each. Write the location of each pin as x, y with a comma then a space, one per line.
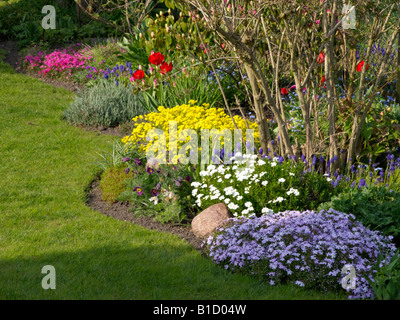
121, 211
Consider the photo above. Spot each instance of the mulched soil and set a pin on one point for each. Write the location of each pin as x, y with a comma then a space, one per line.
121, 211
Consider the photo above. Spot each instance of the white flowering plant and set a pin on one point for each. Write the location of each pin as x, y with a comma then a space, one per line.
253, 186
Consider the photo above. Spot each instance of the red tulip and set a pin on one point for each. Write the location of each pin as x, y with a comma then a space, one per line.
322, 79
138, 74
360, 66
284, 91
321, 58
156, 58
165, 67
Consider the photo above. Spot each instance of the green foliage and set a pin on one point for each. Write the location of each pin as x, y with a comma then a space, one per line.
179, 90
107, 159
162, 191
386, 284
112, 183
104, 104
379, 134
21, 20
377, 208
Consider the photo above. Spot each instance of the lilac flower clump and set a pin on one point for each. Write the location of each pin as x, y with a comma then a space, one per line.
307, 248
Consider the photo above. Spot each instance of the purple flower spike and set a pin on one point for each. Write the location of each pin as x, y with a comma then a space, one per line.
125, 159
127, 170
390, 157
137, 162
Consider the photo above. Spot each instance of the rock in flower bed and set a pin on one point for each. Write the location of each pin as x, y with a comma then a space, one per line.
308, 249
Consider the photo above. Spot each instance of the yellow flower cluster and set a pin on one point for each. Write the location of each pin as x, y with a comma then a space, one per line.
187, 116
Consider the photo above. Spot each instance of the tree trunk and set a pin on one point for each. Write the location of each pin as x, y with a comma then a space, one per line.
265, 139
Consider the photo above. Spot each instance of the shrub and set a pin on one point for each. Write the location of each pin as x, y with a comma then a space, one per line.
112, 183
376, 207
104, 104
252, 186
308, 249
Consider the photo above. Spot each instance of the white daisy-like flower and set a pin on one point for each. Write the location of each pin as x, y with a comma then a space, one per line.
273, 164
196, 184
291, 174
239, 197
293, 191
264, 183
267, 211
279, 199
194, 192
227, 176
233, 206
328, 179
227, 200
248, 204
281, 180
261, 162
210, 167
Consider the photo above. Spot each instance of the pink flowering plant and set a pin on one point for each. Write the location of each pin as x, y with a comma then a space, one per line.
77, 62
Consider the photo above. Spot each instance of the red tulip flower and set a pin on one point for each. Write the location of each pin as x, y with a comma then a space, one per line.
323, 79
138, 74
360, 66
156, 58
321, 58
284, 91
165, 67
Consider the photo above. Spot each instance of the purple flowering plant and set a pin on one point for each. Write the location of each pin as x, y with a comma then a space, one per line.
165, 192
308, 249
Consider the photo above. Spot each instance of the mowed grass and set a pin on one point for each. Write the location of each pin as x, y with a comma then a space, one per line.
45, 168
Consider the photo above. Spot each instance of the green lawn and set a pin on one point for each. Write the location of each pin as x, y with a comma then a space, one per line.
45, 167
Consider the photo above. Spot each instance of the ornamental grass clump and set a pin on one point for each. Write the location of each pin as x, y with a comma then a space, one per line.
308, 249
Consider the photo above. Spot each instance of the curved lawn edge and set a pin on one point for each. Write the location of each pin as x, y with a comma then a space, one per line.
46, 166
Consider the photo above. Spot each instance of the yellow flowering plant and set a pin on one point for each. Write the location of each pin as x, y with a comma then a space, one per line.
187, 117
